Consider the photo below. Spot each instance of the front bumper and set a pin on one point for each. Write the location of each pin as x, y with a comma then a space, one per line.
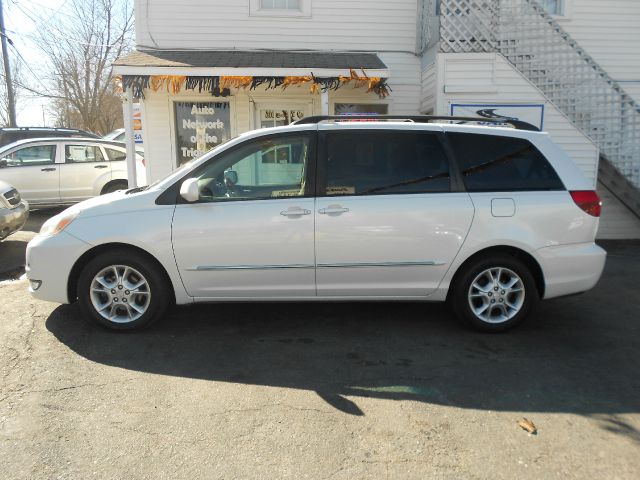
49, 261
12, 220
570, 269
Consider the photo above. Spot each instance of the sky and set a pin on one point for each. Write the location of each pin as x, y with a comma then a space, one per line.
19, 22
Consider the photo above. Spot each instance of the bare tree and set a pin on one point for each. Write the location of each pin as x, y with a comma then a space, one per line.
79, 48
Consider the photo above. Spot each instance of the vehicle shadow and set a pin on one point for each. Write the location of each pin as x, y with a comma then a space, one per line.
579, 355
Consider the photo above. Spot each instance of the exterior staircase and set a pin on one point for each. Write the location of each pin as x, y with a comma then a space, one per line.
537, 46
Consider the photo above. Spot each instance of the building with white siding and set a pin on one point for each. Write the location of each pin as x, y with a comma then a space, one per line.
206, 70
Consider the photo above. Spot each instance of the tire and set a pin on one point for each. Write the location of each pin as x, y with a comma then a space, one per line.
493, 306
105, 299
114, 187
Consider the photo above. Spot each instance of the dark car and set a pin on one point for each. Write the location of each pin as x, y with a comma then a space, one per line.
13, 134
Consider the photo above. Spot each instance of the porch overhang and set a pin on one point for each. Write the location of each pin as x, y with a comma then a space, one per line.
238, 63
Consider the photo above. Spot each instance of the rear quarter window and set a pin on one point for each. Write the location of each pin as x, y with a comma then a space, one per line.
496, 163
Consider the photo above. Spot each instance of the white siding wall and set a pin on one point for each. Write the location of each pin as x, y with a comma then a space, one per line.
610, 32
404, 81
374, 25
617, 221
489, 78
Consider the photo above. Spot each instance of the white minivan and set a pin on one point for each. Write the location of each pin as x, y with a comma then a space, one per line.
490, 219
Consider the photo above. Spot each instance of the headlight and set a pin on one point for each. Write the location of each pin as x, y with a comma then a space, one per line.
58, 223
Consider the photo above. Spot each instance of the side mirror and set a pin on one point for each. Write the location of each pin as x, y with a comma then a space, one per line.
231, 176
189, 190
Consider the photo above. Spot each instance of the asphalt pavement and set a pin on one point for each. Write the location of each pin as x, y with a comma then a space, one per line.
329, 390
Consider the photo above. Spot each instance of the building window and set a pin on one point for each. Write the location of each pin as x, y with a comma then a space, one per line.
280, 8
280, 4
200, 126
360, 109
554, 7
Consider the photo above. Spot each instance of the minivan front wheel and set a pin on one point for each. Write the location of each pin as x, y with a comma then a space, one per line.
495, 294
123, 290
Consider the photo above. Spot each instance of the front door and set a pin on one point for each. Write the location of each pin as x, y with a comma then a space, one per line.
33, 171
84, 169
388, 224
251, 232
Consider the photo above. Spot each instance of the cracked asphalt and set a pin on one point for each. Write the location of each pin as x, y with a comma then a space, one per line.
344, 391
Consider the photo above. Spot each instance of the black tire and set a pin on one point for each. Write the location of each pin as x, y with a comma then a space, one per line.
460, 301
157, 284
114, 187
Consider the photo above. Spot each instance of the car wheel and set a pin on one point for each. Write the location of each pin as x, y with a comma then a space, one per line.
495, 294
123, 290
114, 187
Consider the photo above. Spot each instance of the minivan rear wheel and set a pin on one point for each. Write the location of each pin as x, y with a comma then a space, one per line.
494, 294
123, 290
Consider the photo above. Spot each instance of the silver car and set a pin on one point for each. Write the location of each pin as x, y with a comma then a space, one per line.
14, 211
63, 171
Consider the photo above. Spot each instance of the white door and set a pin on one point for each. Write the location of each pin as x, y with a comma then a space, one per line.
389, 224
280, 114
84, 171
251, 232
33, 171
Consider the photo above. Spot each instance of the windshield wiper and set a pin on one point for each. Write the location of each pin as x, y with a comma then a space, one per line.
136, 190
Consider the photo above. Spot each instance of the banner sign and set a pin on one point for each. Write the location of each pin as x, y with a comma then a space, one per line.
530, 113
200, 126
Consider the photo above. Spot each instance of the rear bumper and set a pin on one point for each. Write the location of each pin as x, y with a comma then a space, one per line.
570, 269
12, 220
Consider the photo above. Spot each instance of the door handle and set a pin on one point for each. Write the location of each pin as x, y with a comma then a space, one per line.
49, 169
292, 212
333, 209
101, 166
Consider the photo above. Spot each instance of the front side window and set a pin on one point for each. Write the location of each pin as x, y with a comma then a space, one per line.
82, 154
272, 167
374, 162
502, 164
36, 155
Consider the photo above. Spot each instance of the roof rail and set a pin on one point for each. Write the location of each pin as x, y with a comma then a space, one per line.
517, 124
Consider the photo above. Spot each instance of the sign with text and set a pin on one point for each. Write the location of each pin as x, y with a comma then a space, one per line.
530, 113
200, 126
137, 123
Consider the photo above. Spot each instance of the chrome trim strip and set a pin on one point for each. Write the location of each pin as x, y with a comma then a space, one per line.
204, 268
382, 264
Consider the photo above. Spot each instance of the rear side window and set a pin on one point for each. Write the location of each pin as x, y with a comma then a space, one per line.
495, 163
115, 155
82, 154
374, 163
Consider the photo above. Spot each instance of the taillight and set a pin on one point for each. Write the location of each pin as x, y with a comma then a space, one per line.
144, 163
587, 200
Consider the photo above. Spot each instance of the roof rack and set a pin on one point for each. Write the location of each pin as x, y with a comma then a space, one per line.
517, 124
